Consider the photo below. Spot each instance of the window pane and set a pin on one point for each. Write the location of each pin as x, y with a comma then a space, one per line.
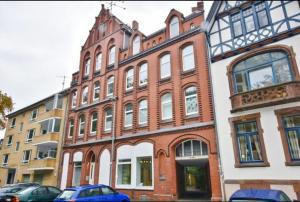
292, 121
136, 45
282, 71
76, 174
258, 60
110, 86
143, 74
262, 18
261, 78
191, 100
111, 59
187, 148
166, 103
96, 90
249, 22
237, 27
128, 115
143, 115
188, 58
165, 67
179, 151
294, 144
129, 79
98, 61
174, 27
57, 125
144, 171
243, 149
247, 127
124, 174
241, 82
255, 146
196, 148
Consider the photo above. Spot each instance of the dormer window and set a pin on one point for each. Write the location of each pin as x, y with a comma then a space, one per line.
87, 67
136, 44
174, 27
111, 55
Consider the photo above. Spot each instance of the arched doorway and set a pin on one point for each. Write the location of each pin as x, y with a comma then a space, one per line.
192, 169
91, 168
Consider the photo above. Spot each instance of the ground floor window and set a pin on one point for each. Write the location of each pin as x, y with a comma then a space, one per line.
135, 166
26, 178
76, 174
292, 131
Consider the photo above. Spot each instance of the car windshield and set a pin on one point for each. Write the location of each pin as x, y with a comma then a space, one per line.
11, 189
66, 194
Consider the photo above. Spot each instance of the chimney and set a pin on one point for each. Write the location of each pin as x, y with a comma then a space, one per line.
135, 25
199, 7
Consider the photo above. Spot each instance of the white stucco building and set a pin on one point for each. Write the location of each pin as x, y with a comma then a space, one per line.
254, 53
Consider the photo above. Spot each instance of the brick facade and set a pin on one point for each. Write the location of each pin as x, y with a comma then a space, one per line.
163, 135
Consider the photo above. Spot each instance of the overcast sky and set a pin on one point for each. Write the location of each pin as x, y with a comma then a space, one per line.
41, 41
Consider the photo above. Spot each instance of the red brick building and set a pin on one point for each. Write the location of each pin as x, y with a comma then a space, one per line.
140, 116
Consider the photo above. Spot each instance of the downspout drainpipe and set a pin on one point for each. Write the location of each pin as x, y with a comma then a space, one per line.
112, 139
215, 121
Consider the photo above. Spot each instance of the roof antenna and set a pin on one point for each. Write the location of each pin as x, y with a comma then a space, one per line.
111, 4
63, 82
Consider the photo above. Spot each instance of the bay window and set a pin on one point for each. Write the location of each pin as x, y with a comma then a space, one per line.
50, 126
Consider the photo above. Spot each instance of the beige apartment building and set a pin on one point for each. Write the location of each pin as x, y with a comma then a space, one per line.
32, 142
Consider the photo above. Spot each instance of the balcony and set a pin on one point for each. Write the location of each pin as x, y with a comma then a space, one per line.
46, 164
50, 114
46, 138
268, 96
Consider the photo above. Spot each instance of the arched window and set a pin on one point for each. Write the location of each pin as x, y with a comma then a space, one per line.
74, 99
128, 115
108, 120
81, 125
190, 148
91, 167
71, 128
129, 79
84, 95
143, 112
188, 59
96, 91
94, 121
166, 106
110, 86
191, 101
98, 62
174, 27
111, 55
261, 70
143, 76
87, 66
136, 45
165, 66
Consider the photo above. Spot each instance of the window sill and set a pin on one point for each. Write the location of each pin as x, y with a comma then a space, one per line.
188, 72
97, 73
110, 67
85, 78
144, 125
143, 87
165, 80
192, 116
128, 92
293, 163
252, 164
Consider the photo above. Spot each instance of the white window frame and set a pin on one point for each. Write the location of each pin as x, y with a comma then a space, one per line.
110, 81
163, 65
87, 67
74, 99
129, 74
81, 123
112, 55
187, 52
143, 69
71, 126
94, 92
129, 162
136, 45
9, 143
92, 120
13, 123
85, 90
145, 107
36, 114
163, 104
27, 137
190, 96
106, 117
127, 113
98, 62
5, 160
174, 31
24, 161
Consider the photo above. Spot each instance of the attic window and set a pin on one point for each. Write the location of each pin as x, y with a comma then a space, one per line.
174, 27
102, 28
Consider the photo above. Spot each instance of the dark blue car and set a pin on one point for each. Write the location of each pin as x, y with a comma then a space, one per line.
259, 195
91, 193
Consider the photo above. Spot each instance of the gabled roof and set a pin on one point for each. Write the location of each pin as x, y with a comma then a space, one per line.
213, 12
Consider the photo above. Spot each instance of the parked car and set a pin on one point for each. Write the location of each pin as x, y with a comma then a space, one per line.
91, 193
34, 193
10, 189
270, 195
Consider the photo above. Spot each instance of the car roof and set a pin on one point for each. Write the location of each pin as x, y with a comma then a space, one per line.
271, 194
81, 187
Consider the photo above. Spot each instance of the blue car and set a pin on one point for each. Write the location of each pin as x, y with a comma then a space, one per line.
91, 193
270, 195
